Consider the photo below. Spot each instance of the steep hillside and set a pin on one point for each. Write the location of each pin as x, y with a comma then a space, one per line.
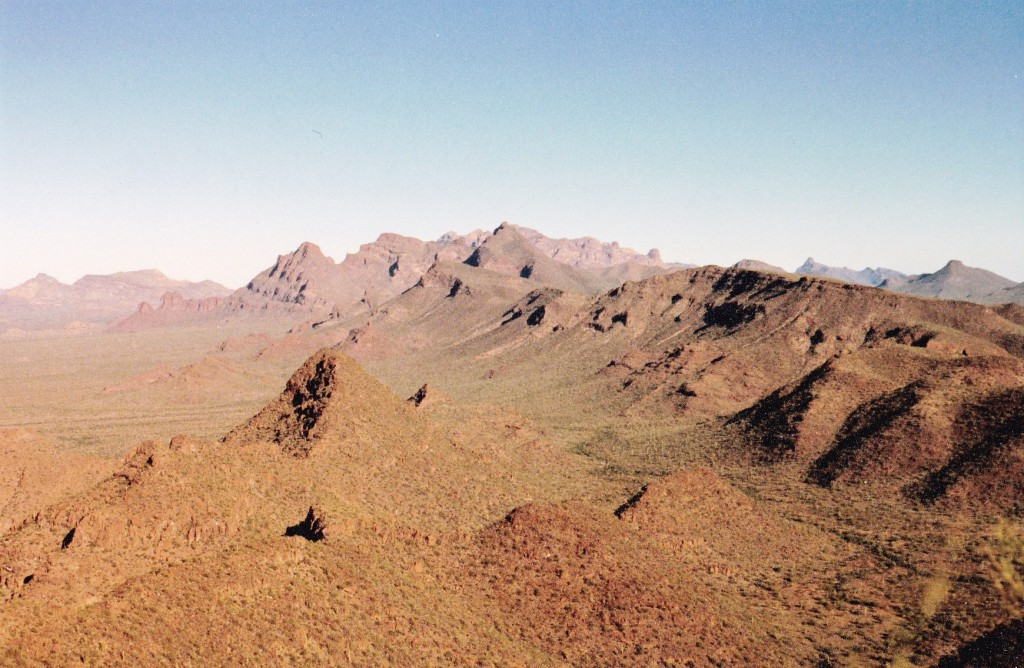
717, 340
306, 284
36, 474
705, 341
944, 428
453, 304
797, 367
337, 458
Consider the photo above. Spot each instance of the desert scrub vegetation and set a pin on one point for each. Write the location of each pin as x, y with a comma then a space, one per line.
1005, 555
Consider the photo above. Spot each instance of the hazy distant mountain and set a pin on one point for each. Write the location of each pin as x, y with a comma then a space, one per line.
44, 302
958, 281
590, 253
866, 276
585, 266
953, 281
174, 309
758, 265
1011, 295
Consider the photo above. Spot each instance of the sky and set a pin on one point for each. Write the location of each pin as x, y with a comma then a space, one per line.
206, 138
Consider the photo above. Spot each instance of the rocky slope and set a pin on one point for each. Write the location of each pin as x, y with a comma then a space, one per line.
804, 366
718, 467
344, 525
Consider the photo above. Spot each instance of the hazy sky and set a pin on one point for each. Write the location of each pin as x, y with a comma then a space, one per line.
180, 135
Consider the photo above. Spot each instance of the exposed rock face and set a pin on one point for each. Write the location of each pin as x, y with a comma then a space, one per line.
427, 395
307, 280
305, 277
329, 395
314, 527
393, 263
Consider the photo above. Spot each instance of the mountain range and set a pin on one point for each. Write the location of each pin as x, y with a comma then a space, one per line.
307, 281
92, 301
866, 276
503, 449
955, 280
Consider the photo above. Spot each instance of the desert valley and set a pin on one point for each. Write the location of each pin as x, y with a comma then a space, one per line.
504, 449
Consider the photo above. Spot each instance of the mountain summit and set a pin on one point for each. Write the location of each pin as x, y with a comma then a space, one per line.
955, 281
329, 394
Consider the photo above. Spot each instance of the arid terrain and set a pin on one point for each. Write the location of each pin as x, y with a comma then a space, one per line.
502, 449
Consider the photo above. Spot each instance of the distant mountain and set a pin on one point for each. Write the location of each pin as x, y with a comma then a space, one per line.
305, 277
308, 281
953, 281
757, 265
866, 276
390, 265
173, 309
1011, 295
575, 265
958, 281
590, 253
508, 252
44, 302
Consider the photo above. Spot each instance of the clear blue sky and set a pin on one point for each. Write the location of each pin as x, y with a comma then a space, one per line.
180, 135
